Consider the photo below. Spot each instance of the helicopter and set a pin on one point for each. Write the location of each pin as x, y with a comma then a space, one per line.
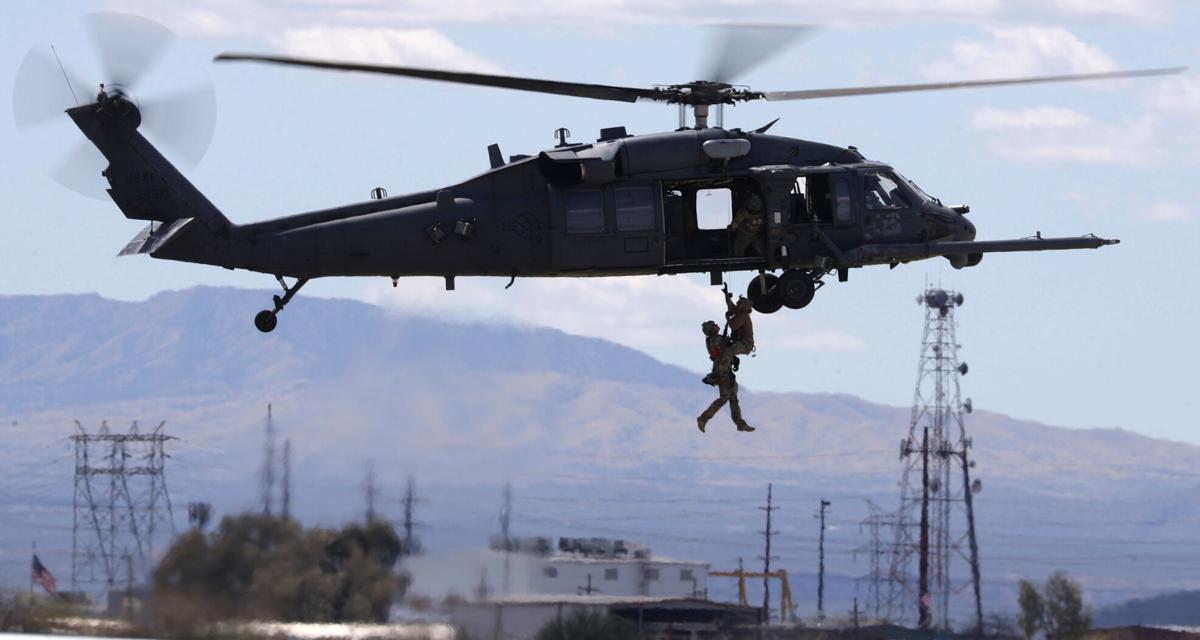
624, 205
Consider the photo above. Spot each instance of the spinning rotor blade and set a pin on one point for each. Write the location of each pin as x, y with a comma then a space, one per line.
812, 94
128, 46
41, 93
124, 50
738, 48
79, 170
184, 121
577, 89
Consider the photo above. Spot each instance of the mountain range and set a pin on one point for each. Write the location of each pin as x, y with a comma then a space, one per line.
596, 439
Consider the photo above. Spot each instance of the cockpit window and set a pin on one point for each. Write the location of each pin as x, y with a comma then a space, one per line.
924, 197
882, 191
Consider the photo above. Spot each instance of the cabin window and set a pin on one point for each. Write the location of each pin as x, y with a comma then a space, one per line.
714, 208
651, 574
635, 209
550, 572
841, 201
685, 575
585, 212
883, 192
610, 574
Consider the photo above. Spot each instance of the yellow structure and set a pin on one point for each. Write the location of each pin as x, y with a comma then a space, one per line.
787, 608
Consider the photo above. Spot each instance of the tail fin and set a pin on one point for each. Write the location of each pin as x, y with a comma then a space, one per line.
141, 181
145, 186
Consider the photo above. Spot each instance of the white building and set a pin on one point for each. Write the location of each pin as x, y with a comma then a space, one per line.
536, 569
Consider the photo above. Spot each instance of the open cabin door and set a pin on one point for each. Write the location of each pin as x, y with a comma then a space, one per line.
618, 227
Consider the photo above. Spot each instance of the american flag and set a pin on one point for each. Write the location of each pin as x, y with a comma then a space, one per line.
42, 576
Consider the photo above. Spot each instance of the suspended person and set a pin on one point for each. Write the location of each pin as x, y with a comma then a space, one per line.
726, 383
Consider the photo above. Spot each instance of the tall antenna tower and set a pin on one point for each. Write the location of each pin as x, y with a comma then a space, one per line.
935, 527
121, 504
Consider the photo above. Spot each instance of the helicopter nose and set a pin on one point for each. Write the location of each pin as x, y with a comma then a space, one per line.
966, 230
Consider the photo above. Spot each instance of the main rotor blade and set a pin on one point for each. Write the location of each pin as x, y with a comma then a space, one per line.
577, 89
738, 48
812, 94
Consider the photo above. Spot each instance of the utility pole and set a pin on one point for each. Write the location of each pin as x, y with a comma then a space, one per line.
268, 469
766, 557
412, 545
370, 491
286, 497
505, 533
924, 599
821, 567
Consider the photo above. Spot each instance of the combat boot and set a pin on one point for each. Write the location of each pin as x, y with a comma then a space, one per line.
701, 422
742, 426
712, 379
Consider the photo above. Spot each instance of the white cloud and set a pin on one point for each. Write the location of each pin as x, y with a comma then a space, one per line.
1179, 95
1020, 51
991, 119
220, 18
410, 47
1042, 135
1167, 211
655, 314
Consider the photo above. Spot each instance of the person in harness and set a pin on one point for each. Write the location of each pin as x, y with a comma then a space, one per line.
723, 352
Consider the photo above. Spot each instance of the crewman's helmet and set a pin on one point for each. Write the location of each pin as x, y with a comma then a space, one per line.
710, 328
754, 203
744, 304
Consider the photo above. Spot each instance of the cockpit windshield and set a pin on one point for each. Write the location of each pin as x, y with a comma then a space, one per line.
925, 197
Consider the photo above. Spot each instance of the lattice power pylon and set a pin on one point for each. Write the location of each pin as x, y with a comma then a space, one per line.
935, 524
121, 505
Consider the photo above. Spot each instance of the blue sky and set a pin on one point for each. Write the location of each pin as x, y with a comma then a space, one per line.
1092, 338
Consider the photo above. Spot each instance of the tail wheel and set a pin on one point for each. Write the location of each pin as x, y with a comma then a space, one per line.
796, 289
265, 321
763, 293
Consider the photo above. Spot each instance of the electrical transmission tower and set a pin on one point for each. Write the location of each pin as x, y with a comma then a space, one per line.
876, 523
121, 503
935, 525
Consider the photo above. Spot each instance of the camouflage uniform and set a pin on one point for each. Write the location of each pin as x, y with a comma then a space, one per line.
742, 338
726, 382
749, 222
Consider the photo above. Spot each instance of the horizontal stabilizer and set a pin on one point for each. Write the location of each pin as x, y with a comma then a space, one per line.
153, 237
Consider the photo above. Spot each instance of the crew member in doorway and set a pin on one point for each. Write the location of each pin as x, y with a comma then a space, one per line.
748, 223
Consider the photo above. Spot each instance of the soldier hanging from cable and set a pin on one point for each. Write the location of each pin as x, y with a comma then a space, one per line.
723, 351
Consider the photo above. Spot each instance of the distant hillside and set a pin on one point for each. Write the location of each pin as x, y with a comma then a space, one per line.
597, 439
1181, 609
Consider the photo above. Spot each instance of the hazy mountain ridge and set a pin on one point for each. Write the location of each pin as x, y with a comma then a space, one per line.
464, 407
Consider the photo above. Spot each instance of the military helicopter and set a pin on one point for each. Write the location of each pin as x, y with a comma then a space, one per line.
659, 203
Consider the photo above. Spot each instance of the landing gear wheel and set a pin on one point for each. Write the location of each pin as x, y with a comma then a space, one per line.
796, 289
768, 302
265, 321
